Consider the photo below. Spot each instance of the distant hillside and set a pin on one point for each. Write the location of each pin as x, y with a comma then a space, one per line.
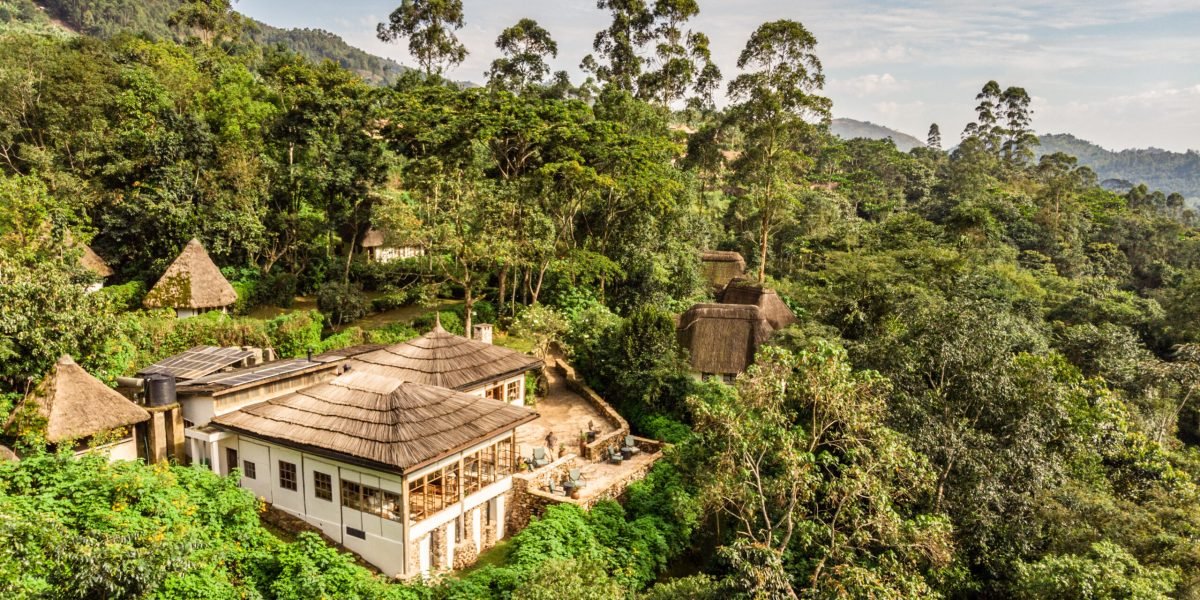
1159, 169
104, 18
849, 129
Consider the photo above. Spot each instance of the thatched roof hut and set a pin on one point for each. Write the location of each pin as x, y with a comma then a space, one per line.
75, 405
722, 338
719, 267
92, 262
192, 282
743, 291
446, 360
377, 421
372, 239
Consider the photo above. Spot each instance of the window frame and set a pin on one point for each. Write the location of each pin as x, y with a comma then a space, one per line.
323, 486
287, 476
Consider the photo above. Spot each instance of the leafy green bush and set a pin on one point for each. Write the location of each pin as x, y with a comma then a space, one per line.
87, 528
294, 334
393, 333
277, 289
351, 336
343, 303
127, 296
247, 292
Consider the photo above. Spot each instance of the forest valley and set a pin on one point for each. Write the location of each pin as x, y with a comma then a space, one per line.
989, 392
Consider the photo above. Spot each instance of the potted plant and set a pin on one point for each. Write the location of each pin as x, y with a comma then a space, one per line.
574, 493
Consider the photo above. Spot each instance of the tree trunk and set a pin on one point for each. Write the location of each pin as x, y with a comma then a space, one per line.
503, 281
468, 305
762, 258
349, 257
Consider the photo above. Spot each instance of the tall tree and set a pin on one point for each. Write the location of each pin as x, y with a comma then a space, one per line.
777, 96
801, 464
682, 57
619, 63
1019, 139
211, 20
429, 26
525, 46
934, 139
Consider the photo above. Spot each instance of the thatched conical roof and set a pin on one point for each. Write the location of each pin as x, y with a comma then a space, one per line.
743, 291
379, 421
372, 239
720, 266
446, 360
192, 281
75, 405
94, 263
722, 338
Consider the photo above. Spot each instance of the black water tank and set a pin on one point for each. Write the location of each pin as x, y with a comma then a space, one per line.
160, 389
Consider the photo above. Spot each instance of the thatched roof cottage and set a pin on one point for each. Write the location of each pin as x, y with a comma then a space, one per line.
74, 406
92, 262
442, 359
406, 475
191, 285
772, 307
377, 250
721, 339
719, 267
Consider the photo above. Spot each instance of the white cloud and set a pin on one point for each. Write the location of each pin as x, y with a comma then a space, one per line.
865, 85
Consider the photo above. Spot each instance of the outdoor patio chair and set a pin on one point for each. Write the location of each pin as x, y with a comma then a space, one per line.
550, 487
575, 478
614, 456
539, 457
630, 446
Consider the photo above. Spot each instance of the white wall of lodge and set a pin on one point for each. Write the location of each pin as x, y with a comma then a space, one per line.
511, 390
271, 470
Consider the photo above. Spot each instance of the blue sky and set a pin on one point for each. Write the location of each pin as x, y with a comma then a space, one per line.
1120, 73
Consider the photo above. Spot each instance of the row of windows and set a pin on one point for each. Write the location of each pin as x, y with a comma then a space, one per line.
371, 500
441, 488
510, 392
428, 494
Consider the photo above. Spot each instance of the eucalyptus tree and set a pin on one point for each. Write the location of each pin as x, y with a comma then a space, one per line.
617, 60
777, 106
429, 26
525, 45
682, 58
934, 139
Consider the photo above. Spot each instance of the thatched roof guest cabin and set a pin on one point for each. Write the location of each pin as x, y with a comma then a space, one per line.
772, 307
192, 285
378, 250
440, 358
721, 339
92, 262
71, 406
413, 478
719, 267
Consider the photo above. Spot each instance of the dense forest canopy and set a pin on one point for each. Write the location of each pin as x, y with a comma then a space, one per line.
990, 392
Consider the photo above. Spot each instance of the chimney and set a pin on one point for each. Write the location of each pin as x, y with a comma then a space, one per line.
483, 332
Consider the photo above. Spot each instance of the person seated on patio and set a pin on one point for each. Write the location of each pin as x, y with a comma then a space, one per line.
630, 448
539, 457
